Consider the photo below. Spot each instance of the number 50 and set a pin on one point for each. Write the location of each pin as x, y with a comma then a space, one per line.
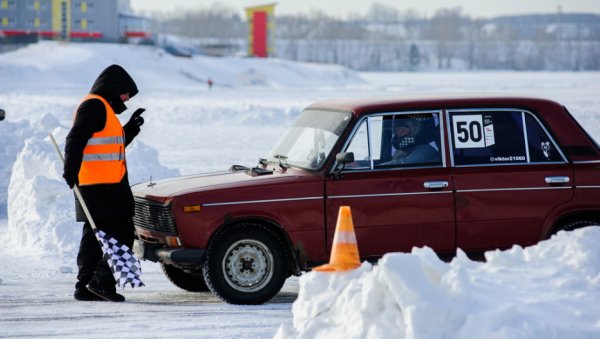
468, 131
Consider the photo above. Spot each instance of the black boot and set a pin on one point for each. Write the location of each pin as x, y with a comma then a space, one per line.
105, 293
82, 294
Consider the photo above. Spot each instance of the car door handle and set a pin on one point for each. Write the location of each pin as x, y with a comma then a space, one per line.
435, 184
557, 180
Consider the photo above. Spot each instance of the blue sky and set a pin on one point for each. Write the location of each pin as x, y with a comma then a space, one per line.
341, 8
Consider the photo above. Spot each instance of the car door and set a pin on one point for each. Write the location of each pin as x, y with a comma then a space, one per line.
395, 206
508, 173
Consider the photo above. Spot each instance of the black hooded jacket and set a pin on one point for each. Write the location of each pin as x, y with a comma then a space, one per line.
103, 200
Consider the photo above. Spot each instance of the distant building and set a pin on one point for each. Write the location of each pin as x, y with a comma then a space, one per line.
89, 20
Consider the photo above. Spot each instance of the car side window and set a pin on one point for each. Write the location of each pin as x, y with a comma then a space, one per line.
499, 137
397, 140
413, 140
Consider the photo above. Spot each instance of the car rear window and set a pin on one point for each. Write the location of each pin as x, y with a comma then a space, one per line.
484, 137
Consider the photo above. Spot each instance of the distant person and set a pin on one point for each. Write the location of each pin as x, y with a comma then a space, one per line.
412, 141
210, 83
95, 161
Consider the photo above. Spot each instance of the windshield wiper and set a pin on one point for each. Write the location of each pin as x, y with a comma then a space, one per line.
281, 157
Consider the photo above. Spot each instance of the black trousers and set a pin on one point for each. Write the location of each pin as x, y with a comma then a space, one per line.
89, 259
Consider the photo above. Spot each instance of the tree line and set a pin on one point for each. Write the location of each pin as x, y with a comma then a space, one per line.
385, 38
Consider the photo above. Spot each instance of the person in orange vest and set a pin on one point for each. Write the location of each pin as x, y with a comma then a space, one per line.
95, 161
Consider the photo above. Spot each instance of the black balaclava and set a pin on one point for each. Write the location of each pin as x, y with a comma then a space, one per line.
111, 83
424, 136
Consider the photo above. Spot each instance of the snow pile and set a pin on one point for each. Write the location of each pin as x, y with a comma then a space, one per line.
41, 213
40, 205
143, 164
13, 136
65, 65
550, 290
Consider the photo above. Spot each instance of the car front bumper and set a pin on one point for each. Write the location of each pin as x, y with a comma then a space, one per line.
170, 256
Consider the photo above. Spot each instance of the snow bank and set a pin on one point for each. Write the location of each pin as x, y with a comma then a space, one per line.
12, 135
40, 206
41, 215
66, 65
550, 290
143, 164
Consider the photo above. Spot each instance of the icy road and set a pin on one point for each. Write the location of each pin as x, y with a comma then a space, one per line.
40, 304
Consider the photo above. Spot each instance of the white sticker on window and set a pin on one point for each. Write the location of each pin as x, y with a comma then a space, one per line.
468, 131
488, 131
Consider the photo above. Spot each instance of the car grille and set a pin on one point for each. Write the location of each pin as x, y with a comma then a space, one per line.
154, 216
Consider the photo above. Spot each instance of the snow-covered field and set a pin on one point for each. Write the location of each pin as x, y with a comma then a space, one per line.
547, 291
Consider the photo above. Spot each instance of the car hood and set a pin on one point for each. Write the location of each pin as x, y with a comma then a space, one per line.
169, 188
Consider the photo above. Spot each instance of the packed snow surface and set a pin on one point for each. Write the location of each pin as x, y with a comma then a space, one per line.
545, 291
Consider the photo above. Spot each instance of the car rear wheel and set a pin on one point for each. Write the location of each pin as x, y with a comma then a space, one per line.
245, 264
575, 224
193, 282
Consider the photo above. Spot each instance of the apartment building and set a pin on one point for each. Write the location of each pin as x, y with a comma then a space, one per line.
89, 20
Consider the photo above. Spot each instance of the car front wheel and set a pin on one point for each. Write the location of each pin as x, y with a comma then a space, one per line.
245, 264
192, 282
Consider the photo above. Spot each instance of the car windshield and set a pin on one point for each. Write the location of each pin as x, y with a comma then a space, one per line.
310, 140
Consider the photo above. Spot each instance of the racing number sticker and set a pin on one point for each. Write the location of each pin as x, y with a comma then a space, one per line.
468, 131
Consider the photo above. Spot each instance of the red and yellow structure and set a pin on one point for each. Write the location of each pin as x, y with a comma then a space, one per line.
261, 28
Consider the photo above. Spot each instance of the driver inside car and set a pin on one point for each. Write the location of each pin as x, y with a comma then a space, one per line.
413, 141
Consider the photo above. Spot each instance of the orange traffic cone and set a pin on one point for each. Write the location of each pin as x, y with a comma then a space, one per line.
344, 252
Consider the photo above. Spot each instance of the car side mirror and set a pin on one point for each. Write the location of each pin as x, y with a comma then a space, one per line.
343, 158
2, 114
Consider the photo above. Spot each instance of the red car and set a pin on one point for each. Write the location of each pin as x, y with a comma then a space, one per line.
475, 173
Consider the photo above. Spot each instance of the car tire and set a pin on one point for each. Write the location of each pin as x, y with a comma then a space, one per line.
574, 224
245, 264
193, 282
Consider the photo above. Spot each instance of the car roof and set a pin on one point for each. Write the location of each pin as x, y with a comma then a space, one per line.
359, 106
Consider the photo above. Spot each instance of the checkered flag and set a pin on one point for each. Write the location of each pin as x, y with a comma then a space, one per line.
124, 265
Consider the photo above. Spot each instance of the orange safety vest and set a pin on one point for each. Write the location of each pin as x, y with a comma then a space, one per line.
104, 155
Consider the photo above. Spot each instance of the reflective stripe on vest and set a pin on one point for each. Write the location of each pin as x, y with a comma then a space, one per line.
106, 141
104, 154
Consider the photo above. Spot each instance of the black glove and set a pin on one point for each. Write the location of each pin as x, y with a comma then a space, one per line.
136, 118
71, 178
